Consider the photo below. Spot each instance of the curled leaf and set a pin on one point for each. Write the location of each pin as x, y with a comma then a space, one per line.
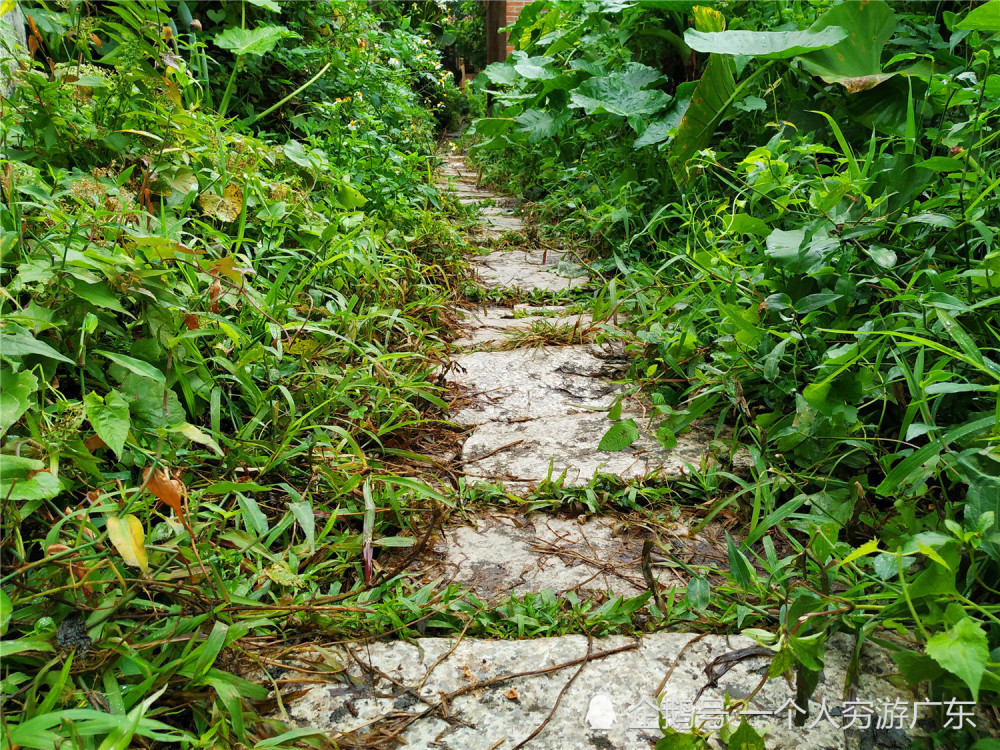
129, 539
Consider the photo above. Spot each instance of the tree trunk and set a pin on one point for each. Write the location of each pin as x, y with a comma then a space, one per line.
13, 43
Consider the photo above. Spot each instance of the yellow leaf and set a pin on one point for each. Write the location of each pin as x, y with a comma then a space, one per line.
127, 535
7, 6
226, 207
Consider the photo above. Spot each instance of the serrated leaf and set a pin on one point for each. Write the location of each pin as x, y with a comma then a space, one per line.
257, 41
110, 418
620, 436
127, 536
15, 388
963, 650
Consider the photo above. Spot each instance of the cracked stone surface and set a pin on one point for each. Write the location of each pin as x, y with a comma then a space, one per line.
496, 323
524, 384
527, 270
503, 554
519, 454
609, 689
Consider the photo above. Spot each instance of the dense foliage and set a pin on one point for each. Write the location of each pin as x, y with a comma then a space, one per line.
227, 287
225, 283
799, 213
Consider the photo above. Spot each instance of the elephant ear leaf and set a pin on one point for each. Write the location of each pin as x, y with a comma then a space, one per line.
709, 100
856, 61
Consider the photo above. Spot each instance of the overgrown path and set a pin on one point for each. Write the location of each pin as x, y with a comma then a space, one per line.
533, 389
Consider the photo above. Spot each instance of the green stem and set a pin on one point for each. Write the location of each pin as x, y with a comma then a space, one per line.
295, 93
224, 104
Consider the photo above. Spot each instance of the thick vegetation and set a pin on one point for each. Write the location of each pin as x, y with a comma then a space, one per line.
799, 214
227, 280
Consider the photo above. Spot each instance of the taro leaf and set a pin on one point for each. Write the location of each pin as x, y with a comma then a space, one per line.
110, 418
771, 45
489, 127
709, 100
540, 125
620, 436
854, 62
127, 536
659, 131
225, 207
257, 41
984, 18
621, 93
963, 650
15, 388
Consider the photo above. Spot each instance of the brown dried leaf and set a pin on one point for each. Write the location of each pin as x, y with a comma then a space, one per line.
169, 491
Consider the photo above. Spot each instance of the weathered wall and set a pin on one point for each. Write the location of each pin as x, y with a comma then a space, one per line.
11, 35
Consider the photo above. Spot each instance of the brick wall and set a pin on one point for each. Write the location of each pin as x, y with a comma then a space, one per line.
514, 8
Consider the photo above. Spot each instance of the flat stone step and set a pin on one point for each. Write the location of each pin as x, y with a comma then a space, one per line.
469, 694
526, 270
496, 325
522, 384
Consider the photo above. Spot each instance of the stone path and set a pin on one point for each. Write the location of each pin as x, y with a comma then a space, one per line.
532, 413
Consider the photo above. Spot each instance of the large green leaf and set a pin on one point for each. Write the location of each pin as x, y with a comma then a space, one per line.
771, 45
621, 93
257, 41
20, 343
984, 18
533, 68
856, 61
15, 388
110, 418
541, 124
709, 101
963, 650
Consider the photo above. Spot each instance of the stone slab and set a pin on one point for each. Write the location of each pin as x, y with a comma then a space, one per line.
520, 455
524, 384
452, 694
502, 554
526, 270
495, 324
